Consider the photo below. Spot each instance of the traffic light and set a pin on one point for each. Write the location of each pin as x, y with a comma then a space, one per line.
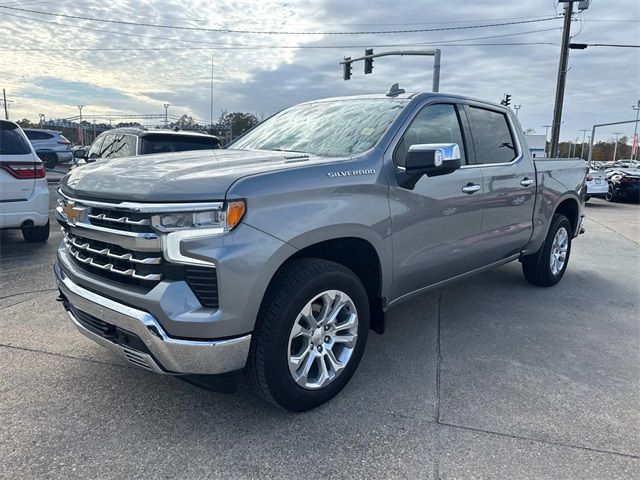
506, 101
346, 73
368, 62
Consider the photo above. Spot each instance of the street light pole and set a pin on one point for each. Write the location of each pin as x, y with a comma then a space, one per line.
562, 79
615, 147
166, 114
635, 130
41, 121
546, 136
81, 132
516, 108
584, 135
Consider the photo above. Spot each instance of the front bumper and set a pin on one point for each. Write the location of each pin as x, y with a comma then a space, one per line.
152, 349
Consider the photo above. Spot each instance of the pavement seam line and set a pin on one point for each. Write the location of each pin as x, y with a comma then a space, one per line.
28, 293
61, 355
437, 441
609, 228
539, 440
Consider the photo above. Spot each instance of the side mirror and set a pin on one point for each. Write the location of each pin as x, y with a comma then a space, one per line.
80, 153
431, 159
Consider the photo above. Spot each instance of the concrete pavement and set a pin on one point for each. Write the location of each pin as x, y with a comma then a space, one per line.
487, 378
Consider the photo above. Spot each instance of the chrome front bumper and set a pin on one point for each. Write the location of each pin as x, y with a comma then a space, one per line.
168, 355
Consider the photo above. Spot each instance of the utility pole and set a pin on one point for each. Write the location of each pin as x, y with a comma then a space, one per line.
584, 134
81, 131
211, 105
634, 153
166, 114
4, 102
516, 108
615, 147
562, 79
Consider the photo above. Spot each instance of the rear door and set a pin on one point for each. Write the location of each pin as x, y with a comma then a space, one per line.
509, 182
14, 151
436, 224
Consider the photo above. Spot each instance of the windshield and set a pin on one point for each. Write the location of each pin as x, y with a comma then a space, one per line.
161, 143
333, 129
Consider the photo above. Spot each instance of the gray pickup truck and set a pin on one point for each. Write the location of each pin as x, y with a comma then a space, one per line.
277, 255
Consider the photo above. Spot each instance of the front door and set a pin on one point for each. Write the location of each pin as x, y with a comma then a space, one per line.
435, 225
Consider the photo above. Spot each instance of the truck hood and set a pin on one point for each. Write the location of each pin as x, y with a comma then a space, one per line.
200, 175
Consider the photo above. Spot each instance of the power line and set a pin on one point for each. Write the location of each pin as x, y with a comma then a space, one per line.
227, 46
274, 32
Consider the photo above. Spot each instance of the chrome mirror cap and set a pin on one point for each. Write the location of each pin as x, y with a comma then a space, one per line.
444, 152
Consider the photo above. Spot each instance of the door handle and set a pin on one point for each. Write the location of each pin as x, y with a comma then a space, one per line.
526, 182
471, 188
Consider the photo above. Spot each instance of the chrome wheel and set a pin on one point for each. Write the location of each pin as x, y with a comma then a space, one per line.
322, 339
559, 249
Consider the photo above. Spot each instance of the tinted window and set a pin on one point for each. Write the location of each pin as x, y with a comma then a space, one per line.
35, 135
123, 146
492, 137
433, 124
162, 143
11, 142
94, 151
334, 128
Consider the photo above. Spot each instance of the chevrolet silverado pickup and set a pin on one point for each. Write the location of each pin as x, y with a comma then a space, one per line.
277, 255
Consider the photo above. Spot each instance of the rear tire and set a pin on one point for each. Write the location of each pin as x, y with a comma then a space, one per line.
36, 234
611, 195
540, 268
284, 338
50, 160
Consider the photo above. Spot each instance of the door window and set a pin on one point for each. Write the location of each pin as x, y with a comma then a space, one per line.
35, 135
94, 151
434, 124
492, 137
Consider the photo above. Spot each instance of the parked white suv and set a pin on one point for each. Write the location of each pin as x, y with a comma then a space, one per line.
24, 196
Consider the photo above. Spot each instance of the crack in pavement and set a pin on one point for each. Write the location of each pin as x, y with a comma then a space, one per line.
437, 440
28, 293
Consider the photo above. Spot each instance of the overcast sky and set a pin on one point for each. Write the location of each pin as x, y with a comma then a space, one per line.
603, 83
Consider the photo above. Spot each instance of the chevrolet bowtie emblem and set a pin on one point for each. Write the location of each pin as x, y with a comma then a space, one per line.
72, 213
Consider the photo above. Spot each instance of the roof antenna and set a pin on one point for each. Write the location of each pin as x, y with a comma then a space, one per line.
394, 90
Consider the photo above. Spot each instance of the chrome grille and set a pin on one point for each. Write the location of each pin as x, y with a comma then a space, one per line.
120, 220
114, 259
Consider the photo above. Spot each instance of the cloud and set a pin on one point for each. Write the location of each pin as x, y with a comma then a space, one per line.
602, 83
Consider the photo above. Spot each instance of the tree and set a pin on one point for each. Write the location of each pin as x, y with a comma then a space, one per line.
26, 123
240, 122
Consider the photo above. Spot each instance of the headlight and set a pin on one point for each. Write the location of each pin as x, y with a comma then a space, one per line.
226, 218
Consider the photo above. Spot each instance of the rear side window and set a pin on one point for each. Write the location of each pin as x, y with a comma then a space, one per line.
492, 136
11, 142
35, 135
161, 143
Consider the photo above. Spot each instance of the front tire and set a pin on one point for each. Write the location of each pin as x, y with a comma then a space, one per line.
547, 267
310, 334
35, 234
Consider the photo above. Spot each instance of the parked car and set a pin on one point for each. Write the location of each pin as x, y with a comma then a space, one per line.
623, 183
277, 255
132, 141
597, 184
50, 145
24, 195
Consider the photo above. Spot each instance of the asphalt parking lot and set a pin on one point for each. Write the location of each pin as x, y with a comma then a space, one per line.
488, 378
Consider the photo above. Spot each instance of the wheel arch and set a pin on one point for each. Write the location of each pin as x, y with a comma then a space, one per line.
359, 255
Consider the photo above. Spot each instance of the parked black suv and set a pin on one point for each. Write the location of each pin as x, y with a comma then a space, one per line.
131, 141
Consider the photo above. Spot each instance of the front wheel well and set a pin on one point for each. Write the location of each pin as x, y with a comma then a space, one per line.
359, 256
